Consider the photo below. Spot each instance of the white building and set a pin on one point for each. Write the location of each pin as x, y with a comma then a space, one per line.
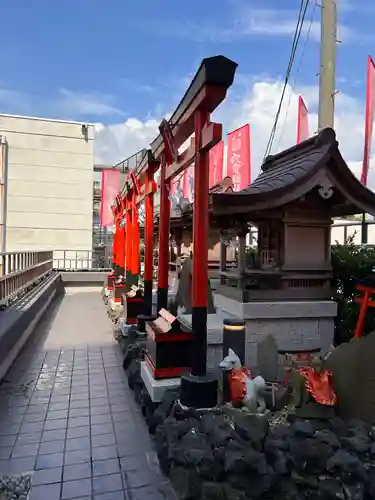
49, 188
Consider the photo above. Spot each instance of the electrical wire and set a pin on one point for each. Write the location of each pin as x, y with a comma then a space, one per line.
297, 35
299, 67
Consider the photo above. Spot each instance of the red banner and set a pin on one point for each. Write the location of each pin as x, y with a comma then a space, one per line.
216, 163
188, 184
303, 121
370, 103
175, 192
238, 159
110, 189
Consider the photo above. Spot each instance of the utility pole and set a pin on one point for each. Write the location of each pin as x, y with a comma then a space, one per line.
327, 74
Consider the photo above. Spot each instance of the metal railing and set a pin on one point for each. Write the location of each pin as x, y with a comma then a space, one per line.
80, 260
20, 271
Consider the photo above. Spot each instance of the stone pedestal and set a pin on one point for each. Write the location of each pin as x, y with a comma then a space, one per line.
214, 336
294, 325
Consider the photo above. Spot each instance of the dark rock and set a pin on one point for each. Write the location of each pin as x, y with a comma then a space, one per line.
253, 485
303, 428
343, 463
280, 462
252, 429
356, 444
214, 491
331, 488
326, 436
277, 444
287, 490
180, 413
162, 449
134, 372
221, 491
310, 455
187, 483
163, 410
372, 451
217, 429
370, 482
134, 351
338, 426
305, 480
239, 460
354, 491
281, 431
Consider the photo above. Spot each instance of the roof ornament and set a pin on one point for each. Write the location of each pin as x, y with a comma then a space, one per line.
325, 190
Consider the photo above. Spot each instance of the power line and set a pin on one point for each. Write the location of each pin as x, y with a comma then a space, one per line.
296, 38
297, 71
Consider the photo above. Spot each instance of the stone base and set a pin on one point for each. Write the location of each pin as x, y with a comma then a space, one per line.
157, 388
124, 327
114, 306
294, 325
214, 336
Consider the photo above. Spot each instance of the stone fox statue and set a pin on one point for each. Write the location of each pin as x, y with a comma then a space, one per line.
243, 388
183, 296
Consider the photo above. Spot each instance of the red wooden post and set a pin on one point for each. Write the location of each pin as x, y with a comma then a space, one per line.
149, 240
365, 302
200, 246
135, 241
121, 248
162, 299
129, 236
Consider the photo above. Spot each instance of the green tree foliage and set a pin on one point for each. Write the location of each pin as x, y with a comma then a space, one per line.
350, 263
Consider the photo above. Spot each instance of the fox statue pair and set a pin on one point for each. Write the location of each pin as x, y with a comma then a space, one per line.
244, 389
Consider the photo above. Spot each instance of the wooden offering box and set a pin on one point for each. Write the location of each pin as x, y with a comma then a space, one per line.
118, 290
111, 278
133, 302
168, 346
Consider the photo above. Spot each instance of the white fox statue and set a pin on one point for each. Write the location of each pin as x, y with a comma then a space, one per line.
243, 388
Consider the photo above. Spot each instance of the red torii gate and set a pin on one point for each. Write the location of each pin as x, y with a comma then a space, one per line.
192, 116
118, 245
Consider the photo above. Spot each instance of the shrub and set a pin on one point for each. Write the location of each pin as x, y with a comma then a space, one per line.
350, 264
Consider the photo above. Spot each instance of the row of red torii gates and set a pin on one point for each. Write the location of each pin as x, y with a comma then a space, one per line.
191, 118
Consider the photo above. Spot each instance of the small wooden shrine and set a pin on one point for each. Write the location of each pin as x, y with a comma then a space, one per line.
181, 227
292, 203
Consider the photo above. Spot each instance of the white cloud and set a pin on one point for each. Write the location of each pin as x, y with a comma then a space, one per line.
116, 142
257, 107
252, 21
82, 104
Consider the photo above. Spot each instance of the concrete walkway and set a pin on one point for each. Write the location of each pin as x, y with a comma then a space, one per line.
68, 417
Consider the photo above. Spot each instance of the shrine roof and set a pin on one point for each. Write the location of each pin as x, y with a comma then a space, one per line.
288, 176
224, 186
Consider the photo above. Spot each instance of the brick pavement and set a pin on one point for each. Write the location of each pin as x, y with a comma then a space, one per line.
68, 416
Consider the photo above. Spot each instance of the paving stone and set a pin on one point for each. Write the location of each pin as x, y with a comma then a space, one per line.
76, 432
45, 492
25, 450
79, 443
49, 461
107, 483
77, 471
53, 435
51, 447
104, 452
47, 476
103, 440
75, 489
103, 467
77, 426
77, 457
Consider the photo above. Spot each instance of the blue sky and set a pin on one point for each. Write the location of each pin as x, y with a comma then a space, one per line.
135, 58
107, 62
